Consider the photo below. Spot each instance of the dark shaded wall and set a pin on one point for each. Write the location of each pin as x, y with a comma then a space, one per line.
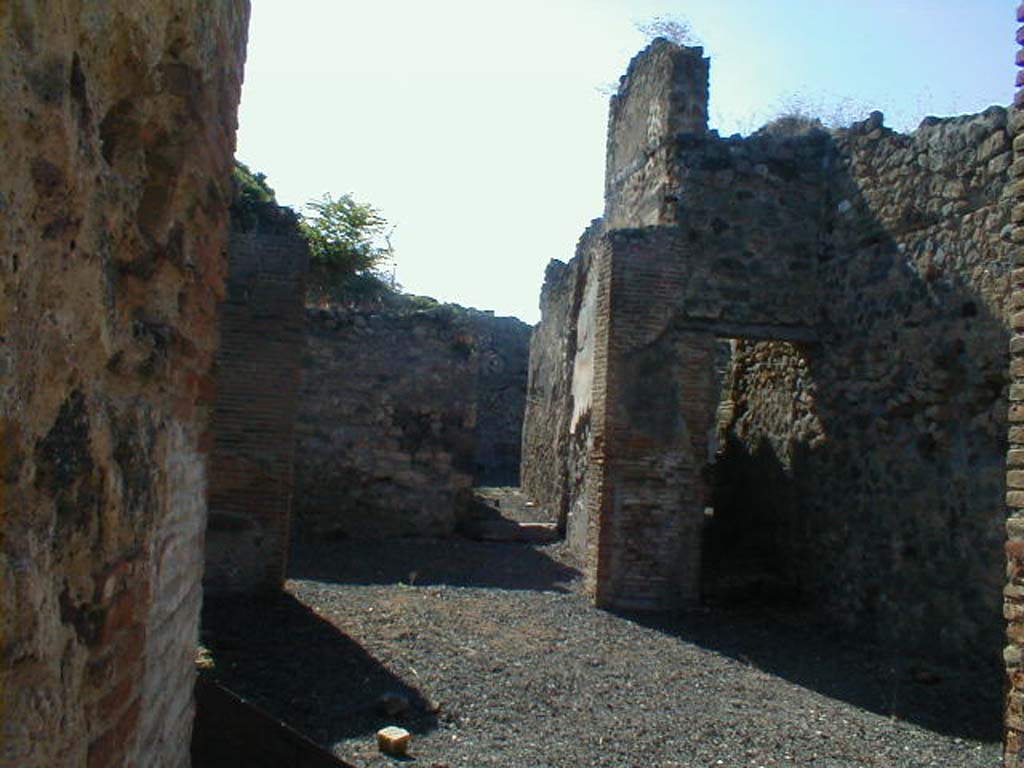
391, 434
557, 419
117, 128
502, 349
883, 443
253, 424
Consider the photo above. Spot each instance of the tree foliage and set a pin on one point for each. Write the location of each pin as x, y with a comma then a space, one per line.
350, 247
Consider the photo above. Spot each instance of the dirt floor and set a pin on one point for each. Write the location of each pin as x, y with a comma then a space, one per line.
489, 656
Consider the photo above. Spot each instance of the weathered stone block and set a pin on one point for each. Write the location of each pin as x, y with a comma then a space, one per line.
393, 740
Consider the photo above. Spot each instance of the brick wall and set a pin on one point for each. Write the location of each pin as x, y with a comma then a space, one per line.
257, 380
1013, 608
117, 130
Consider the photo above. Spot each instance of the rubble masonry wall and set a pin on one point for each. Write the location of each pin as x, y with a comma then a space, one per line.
117, 129
401, 412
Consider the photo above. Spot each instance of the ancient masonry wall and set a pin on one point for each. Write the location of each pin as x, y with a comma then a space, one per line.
1013, 608
664, 93
502, 349
117, 128
895, 418
865, 276
671, 297
557, 419
768, 423
253, 424
922, 314
390, 431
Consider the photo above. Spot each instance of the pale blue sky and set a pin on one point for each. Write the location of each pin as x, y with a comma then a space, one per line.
477, 127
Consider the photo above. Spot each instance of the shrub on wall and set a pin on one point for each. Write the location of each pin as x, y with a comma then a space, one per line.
349, 244
348, 240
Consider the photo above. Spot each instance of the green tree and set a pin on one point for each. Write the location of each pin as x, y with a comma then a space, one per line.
350, 248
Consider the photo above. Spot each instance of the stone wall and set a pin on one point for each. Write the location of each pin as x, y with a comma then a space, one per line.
882, 444
253, 424
117, 128
664, 93
865, 276
502, 350
557, 419
390, 429
1013, 608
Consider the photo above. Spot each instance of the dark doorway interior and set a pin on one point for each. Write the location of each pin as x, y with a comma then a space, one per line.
749, 518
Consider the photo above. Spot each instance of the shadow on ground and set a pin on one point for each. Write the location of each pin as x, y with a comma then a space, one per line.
288, 660
454, 562
284, 658
798, 647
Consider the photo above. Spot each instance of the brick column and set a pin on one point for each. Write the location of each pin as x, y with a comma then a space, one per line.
253, 425
656, 388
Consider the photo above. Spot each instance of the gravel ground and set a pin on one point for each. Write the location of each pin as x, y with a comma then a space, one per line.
501, 662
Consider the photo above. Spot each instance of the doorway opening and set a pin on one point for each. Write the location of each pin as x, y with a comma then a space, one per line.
753, 534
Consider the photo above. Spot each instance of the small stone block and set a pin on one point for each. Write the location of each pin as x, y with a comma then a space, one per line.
393, 740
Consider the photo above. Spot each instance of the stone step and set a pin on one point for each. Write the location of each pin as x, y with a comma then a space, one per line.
510, 530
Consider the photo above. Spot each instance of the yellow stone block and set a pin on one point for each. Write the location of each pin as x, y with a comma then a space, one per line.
393, 740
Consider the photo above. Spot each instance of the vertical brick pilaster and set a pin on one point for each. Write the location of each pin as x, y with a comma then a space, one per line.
253, 424
1013, 607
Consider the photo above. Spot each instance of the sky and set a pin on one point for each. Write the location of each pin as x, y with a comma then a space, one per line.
477, 128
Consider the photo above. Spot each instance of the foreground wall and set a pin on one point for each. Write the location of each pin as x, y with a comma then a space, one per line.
117, 128
391, 436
